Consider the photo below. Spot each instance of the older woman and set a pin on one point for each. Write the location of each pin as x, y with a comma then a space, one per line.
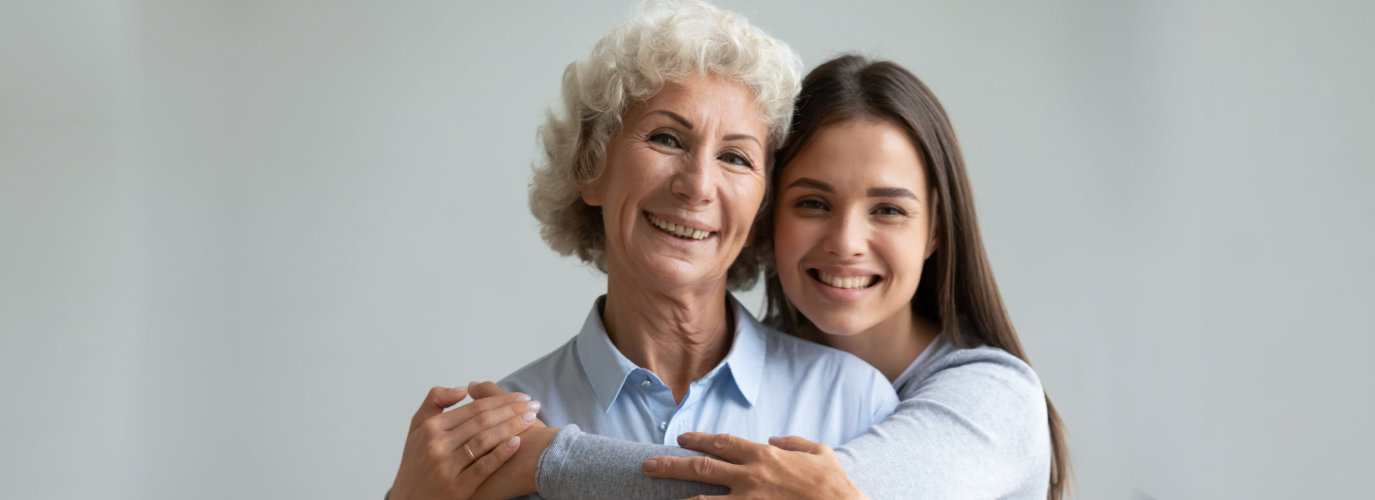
655, 174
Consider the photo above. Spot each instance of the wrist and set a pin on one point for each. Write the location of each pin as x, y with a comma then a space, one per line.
533, 442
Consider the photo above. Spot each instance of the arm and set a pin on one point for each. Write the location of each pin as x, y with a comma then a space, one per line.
570, 464
977, 430
578, 465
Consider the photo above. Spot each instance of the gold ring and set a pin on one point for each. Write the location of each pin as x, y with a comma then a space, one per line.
471, 457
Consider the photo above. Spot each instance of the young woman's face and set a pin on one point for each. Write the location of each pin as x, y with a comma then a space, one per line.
684, 179
853, 227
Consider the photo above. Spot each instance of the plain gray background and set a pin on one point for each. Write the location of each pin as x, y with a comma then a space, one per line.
241, 239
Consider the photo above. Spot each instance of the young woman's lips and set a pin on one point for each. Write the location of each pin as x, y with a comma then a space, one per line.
842, 285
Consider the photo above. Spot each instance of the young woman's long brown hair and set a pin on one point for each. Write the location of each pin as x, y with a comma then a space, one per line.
957, 282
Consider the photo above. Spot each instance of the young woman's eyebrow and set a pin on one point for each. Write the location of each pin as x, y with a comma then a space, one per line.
891, 192
809, 182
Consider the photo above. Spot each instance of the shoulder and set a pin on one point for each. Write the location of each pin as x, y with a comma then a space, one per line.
990, 391
977, 369
841, 374
540, 377
805, 355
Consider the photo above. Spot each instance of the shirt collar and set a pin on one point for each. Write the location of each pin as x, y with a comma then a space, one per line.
606, 368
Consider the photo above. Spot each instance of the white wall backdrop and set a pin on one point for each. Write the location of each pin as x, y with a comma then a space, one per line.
239, 240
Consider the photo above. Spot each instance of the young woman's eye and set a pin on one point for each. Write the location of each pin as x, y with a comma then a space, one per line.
737, 159
811, 205
889, 210
666, 140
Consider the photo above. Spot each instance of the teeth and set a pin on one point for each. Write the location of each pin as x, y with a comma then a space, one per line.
676, 230
850, 282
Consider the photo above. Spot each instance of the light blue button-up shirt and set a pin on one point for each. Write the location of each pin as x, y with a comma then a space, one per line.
769, 384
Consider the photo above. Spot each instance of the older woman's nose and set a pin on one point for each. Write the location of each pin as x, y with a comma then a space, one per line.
695, 181
845, 237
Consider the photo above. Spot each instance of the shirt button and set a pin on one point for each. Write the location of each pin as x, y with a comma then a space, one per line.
644, 383
663, 426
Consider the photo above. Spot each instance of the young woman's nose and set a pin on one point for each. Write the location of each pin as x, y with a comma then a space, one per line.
845, 237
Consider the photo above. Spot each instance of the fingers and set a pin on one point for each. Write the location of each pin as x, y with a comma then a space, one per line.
795, 443
473, 475
704, 469
436, 401
517, 402
484, 389
726, 446
486, 440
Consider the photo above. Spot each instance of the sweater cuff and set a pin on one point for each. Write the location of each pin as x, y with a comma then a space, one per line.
549, 469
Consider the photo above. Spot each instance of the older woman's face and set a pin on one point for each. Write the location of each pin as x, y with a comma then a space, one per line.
684, 178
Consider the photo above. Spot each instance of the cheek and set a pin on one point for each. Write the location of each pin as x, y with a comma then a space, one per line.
744, 195
791, 236
905, 254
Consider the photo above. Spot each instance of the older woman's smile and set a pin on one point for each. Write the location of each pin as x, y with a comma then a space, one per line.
679, 228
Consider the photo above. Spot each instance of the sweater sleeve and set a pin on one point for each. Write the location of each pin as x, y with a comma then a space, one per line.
578, 465
975, 428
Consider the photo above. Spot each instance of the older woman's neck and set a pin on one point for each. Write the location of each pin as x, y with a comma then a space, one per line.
679, 337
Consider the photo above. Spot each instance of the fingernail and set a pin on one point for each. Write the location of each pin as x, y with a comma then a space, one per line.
533, 406
513, 442
528, 416
523, 397
682, 439
650, 465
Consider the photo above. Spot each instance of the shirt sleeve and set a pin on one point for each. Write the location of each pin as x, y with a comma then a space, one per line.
578, 465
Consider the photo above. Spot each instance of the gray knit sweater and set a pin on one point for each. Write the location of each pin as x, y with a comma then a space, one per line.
972, 424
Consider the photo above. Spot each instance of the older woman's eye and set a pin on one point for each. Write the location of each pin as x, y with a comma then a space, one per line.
737, 159
666, 140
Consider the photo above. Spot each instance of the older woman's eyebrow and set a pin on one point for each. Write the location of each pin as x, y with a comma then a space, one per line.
891, 192
675, 116
736, 137
679, 118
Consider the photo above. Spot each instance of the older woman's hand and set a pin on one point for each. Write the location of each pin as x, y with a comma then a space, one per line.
791, 468
449, 454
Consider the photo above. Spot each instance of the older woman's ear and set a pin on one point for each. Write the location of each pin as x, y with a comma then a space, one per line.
592, 193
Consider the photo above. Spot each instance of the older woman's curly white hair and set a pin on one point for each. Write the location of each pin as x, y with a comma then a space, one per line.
663, 42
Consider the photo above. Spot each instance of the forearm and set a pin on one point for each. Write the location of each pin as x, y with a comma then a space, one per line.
579, 466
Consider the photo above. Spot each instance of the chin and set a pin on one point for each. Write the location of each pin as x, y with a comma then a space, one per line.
676, 274
838, 326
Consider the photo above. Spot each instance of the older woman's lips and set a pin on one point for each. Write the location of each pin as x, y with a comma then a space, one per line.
680, 231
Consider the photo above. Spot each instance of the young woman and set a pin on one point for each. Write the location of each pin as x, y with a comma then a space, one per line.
878, 253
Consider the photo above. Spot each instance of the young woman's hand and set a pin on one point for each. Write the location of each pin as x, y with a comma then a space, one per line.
787, 467
449, 454
516, 477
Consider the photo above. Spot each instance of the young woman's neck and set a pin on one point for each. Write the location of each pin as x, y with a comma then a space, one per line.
679, 336
890, 346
